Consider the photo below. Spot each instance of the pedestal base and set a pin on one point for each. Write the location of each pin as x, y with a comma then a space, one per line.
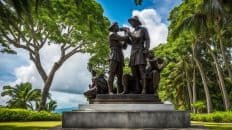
126, 111
126, 119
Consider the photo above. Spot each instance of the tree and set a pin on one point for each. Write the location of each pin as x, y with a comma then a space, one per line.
138, 2
50, 105
200, 29
75, 28
21, 96
200, 22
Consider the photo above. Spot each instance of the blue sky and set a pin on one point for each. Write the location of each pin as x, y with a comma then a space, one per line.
73, 77
121, 10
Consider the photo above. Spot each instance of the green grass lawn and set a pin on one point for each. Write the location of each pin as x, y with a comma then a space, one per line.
38, 125
35, 125
214, 126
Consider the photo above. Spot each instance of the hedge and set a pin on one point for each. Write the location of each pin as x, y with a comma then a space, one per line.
7, 114
213, 117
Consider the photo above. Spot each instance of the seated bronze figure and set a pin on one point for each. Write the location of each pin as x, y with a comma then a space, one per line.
98, 86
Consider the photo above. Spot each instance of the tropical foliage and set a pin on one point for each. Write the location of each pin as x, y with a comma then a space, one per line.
213, 117
199, 46
7, 114
23, 96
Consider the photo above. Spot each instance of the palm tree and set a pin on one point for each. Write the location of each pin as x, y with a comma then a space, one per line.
21, 96
198, 23
216, 14
221, 79
50, 105
194, 91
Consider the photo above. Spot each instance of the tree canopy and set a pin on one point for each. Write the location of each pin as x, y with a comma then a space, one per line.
199, 46
77, 27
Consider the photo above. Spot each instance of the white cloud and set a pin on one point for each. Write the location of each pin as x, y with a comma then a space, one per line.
158, 31
68, 100
72, 77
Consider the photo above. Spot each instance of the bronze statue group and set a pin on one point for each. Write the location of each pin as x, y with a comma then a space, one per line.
144, 66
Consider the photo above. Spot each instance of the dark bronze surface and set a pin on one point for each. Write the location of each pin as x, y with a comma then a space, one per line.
116, 43
145, 68
140, 44
126, 99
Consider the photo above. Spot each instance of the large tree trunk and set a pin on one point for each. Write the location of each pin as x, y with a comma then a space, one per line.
35, 57
189, 89
221, 79
47, 85
204, 81
222, 49
194, 89
225, 59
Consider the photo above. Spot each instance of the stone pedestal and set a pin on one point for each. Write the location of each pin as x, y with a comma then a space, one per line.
126, 119
126, 111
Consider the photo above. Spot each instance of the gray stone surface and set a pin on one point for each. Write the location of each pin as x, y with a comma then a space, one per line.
127, 107
126, 119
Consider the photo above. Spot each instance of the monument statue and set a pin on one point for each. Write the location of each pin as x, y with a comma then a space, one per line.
145, 67
138, 106
116, 57
140, 43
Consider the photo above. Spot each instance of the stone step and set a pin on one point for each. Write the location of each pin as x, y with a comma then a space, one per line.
127, 107
126, 99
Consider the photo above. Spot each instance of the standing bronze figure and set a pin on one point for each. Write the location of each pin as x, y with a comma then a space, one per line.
116, 58
140, 43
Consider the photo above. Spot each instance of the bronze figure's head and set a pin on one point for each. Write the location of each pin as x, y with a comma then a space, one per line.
114, 27
134, 21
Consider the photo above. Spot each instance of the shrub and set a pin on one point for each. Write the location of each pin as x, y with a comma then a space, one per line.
213, 117
7, 114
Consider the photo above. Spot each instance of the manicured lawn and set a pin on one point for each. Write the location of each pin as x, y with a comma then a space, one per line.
38, 125
214, 126
35, 125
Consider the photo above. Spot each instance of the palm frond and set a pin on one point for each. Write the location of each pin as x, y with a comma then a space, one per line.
196, 23
214, 8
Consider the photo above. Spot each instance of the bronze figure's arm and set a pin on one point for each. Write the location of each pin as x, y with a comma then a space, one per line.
118, 37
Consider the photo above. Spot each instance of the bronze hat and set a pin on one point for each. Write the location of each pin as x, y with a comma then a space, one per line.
135, 19
112, 26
